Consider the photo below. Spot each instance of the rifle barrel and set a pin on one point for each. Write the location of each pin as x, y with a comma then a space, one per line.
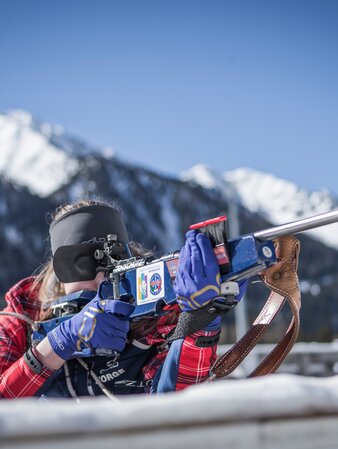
298, 226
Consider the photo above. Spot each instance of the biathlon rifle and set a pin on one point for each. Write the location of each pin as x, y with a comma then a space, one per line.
149, 283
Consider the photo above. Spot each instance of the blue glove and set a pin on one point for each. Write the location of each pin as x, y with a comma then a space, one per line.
198, 278
102, 323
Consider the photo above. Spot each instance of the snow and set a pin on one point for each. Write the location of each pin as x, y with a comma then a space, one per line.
278, 200
43, 157
216, 415
38, 155
108, 153
207, 178
80, 189
28, 158
202, 175
281, 201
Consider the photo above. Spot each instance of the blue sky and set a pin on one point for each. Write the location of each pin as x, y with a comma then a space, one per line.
169, 84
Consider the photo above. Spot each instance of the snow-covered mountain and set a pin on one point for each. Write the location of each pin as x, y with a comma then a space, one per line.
38, 155
277, 200
42, 166
44, 163
44, 157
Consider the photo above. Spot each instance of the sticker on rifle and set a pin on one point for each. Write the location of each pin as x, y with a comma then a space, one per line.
150, 283
221, 254
172, 267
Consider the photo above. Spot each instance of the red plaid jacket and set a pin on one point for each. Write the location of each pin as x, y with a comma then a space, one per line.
17, 380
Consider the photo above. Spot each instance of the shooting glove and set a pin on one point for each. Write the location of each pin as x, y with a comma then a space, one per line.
102, 323
198, 278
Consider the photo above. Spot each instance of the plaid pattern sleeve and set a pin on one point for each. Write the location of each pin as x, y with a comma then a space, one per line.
184, 363
19, 381
195, 362
16, 378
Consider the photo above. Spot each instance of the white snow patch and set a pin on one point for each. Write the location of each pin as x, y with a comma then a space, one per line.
39, 155
202, 175
281, 201
28, 158
206, 177
277, 200
108, 153
270, 411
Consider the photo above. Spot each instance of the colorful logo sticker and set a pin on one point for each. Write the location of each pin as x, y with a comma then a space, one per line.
150, 283
155, 284
142, 286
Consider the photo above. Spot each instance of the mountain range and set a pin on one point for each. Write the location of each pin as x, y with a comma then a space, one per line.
42, 166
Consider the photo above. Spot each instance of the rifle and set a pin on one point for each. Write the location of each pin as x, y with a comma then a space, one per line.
149, 283
239, 258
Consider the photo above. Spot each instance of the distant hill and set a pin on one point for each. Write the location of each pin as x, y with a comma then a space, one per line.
41, 166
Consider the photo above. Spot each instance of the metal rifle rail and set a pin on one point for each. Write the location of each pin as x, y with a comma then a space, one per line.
297, 226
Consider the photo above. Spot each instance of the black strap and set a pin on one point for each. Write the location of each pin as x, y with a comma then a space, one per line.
205, 342
190, 322
33, 363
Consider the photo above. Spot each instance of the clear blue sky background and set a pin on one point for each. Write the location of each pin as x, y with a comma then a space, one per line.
169, 84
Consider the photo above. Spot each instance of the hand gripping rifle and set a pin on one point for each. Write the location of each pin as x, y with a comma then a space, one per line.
149, 283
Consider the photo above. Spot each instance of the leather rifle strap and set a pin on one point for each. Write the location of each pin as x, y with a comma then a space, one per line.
282, 280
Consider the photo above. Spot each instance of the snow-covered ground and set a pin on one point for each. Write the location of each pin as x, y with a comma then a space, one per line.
271, 412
